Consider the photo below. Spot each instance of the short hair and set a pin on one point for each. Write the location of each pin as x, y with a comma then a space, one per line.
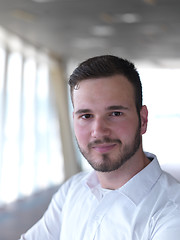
106, 66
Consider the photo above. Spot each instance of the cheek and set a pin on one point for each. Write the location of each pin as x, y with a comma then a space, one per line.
81, 133
125, 130
122, 127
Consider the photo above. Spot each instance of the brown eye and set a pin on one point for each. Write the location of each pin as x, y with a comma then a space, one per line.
116, 114
86, 116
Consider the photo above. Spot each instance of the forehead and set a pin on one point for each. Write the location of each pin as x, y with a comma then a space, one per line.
103, 91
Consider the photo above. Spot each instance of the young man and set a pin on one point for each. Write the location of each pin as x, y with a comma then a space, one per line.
127, 195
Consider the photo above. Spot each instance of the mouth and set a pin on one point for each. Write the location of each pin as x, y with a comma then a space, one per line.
104, 148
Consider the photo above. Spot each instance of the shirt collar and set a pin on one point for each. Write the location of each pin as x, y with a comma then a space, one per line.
138, 186
141, 184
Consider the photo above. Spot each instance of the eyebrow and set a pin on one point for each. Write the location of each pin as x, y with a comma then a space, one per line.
80, 111
110, 108
117, 107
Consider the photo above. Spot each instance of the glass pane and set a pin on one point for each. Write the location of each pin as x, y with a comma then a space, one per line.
161, 95
42, 105
28, 140
11, 153
2, 64
50, 163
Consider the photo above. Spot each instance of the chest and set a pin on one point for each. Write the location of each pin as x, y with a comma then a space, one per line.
114, 217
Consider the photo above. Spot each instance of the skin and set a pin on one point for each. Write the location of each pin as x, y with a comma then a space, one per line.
108, 130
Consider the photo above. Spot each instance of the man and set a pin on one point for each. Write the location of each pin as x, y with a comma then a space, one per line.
127, 195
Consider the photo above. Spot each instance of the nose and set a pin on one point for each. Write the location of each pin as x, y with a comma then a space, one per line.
100, 128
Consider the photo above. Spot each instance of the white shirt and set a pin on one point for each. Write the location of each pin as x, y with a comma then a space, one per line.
146, 208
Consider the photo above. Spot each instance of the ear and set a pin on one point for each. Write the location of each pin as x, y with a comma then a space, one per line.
144, 119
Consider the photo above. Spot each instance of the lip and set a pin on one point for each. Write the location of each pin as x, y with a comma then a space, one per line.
104, 148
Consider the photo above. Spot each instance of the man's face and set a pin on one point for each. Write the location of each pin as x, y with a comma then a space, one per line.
106, 123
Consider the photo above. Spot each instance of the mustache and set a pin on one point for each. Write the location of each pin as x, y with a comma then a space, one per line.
103, 141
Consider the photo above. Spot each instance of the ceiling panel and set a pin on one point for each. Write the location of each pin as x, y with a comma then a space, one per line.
76, 29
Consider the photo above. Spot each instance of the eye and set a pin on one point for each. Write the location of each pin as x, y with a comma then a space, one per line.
116, 114
86, 116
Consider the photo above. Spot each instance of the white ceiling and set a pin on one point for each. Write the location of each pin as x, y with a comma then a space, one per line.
135, 29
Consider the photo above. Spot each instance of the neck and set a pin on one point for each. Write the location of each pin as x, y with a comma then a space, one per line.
116, 179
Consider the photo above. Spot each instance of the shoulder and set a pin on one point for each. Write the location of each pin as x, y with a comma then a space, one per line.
165, 208
166, 221
168, 197
77, 179
170, 185
75, 182
166, 192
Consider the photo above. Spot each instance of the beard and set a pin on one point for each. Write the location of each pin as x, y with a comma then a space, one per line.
109, 163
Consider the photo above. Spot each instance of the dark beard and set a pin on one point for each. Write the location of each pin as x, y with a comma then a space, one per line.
107, 164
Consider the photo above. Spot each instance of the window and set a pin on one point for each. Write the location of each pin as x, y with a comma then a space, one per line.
30, 147
161, 95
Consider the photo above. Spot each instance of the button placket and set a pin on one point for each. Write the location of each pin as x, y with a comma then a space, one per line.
98, 214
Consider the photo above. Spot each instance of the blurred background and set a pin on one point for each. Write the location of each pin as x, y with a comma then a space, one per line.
41, 42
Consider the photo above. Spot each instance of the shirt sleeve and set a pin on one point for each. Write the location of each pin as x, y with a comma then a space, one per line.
49, 226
